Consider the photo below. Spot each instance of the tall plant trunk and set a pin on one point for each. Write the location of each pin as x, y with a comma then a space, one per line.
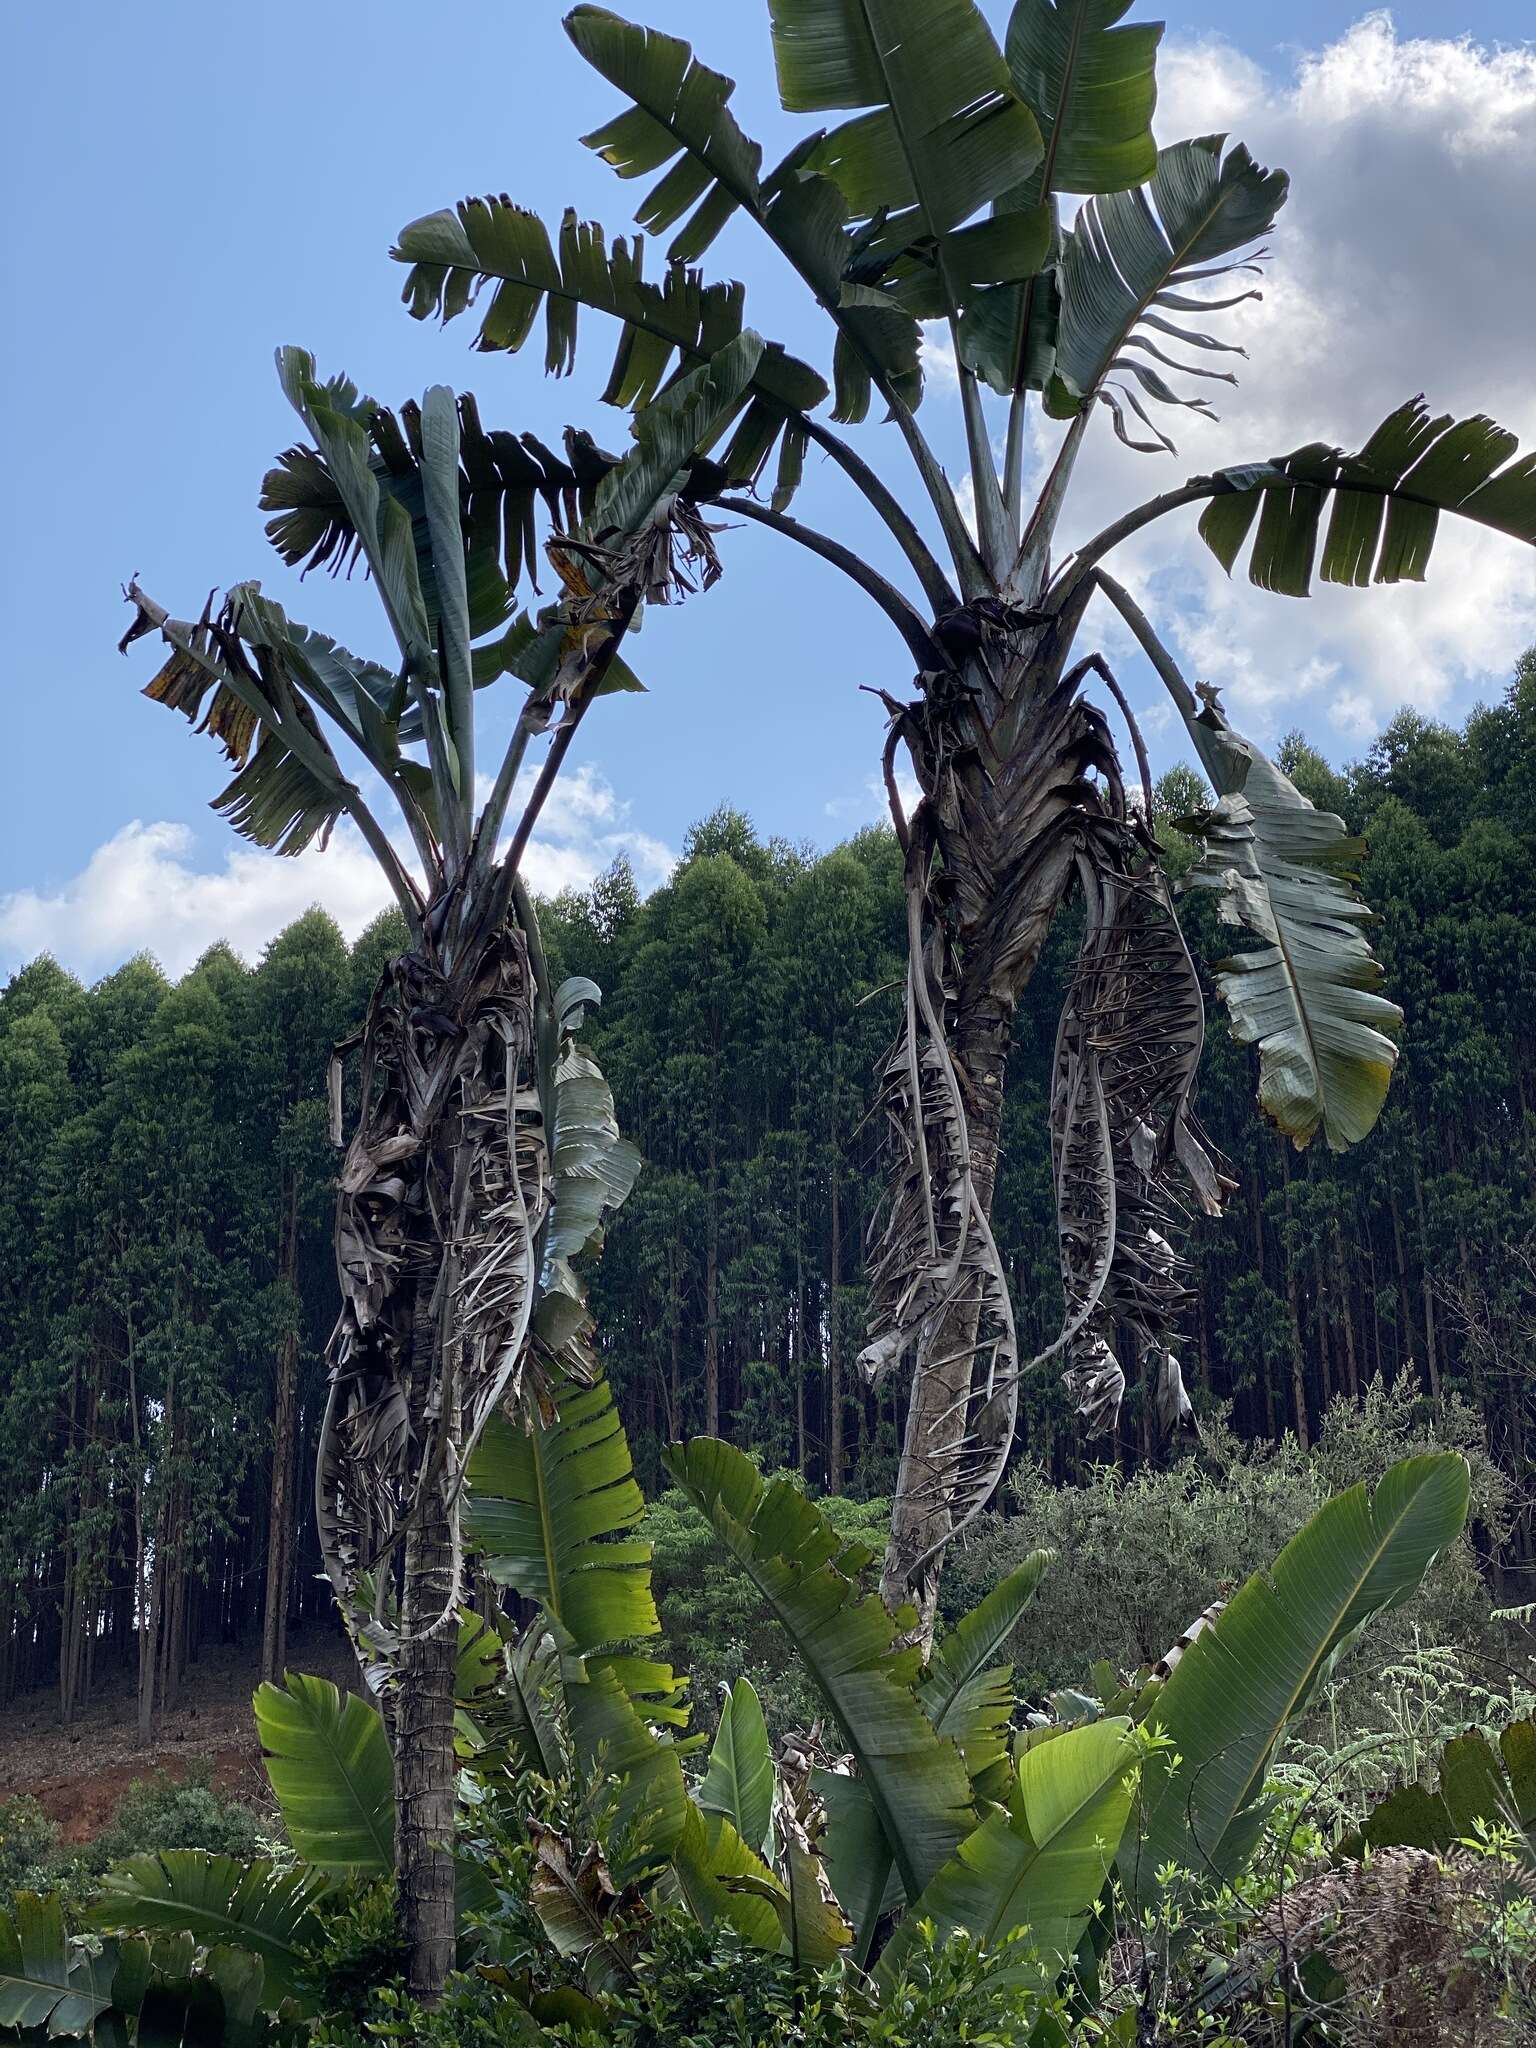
1404, 1298
443, 1193
1022, 799
1293, 1313
712, 1297
1003, 748
1347, 1306
424, 1757
1426, 1277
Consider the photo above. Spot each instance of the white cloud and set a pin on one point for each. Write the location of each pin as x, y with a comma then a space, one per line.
142, 890
869, 804
1399, 265
939, 364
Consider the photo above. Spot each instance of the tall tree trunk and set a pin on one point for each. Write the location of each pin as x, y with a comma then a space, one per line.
424, 1761
450, 1044
675, 1423
1426, 1278
280, 1503
1005, 753
834, 1349
1347, 1309
1404, 1298
797, 1339
423, 1721
146, 1574
1293, 1305
712, 1296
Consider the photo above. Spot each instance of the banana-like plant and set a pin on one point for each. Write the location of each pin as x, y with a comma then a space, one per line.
484, 1155
937, 198
1239, 1681
181, 1990
931, 1806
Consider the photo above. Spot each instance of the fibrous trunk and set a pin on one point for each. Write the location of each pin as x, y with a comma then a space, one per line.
444, 1188
1022, 800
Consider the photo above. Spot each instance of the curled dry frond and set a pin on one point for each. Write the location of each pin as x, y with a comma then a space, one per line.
937, 1286
443, 1191
1122, 1121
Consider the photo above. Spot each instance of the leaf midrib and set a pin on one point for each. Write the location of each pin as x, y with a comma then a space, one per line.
1256, 1775
1042, 1848
1294, 978
174, 1913
330, 1740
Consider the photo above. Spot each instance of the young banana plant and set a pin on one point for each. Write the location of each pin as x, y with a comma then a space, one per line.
937, 197
484, 1153
931, 1804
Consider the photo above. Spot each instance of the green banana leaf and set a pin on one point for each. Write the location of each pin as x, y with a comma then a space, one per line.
552, 1508
1030, 1876
964, 1698
329, 1763
288, 788
220, 1902
681, 116
1309, 996
1091, 86
519, 1725
945, 134
1242, 1680
1386, 500
593, 1171
723, 1879
648, 1811
966, 1702
1123, 265
680, 105
915, 1777
44, 1983
684, 421
663, 326
739, 1783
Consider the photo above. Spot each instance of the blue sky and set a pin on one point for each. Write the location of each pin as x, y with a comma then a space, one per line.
190, 186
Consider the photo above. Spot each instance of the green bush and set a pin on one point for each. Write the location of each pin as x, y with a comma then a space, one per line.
1139, 1558
154, 1814
159, 1813
30, 1857
696, 1990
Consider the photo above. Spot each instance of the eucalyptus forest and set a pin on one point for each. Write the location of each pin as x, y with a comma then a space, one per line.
924, 1441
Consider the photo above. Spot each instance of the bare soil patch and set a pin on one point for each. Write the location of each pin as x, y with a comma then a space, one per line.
80, 1773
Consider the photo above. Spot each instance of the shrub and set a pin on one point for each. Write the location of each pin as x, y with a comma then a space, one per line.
30, 1857
696, 1990
1141, 1557
160, 1813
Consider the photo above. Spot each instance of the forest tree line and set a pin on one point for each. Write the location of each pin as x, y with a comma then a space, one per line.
167, 1285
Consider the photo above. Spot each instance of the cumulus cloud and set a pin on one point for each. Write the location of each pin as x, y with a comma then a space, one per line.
1398, 265
869, 803
143, 890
